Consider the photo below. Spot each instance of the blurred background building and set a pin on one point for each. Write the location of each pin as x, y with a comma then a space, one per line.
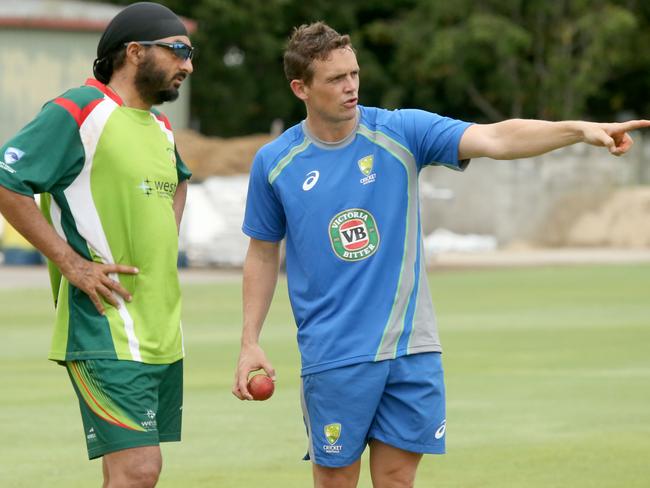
47, 47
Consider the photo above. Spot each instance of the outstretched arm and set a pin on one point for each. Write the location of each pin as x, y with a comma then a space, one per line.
92, 278
261, 269
520, 138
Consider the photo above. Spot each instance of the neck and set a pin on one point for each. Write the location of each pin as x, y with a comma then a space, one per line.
330, 131
127, 92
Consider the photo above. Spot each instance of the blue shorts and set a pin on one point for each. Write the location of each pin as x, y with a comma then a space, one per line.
400, 402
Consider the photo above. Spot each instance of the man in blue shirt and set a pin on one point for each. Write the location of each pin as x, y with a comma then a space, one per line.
342, 188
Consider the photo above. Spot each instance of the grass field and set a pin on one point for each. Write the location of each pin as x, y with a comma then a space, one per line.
548, 379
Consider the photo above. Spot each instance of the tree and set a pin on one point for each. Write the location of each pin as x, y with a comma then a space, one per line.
512, 58
482, 60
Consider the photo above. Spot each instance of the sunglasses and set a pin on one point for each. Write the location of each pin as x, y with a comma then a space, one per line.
180, 49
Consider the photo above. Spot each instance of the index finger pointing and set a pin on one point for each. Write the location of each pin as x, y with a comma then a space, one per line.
633, 125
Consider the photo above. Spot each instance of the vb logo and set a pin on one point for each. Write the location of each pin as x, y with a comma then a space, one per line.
354, 234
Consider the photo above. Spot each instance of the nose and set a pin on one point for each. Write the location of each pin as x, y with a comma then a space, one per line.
187, 66
350, 85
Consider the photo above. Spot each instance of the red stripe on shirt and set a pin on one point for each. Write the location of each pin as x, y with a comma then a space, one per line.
89, 108
71, 107
105, 89
163, 118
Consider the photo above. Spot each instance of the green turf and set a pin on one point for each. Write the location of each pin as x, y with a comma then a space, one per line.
548, 378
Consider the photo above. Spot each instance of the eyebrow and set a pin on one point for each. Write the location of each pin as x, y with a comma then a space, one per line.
339, 75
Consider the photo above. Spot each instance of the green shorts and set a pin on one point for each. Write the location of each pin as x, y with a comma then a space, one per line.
127, 404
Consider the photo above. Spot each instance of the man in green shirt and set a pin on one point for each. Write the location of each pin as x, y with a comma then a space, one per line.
113, 191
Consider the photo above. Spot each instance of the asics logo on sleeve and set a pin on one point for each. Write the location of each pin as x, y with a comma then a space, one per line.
310, 182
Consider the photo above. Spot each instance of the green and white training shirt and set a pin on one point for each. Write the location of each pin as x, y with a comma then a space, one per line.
109, 173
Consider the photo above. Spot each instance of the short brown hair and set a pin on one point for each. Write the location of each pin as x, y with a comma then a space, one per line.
309, 42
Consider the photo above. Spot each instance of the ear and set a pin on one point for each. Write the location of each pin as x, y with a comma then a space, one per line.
299, 89
134, 52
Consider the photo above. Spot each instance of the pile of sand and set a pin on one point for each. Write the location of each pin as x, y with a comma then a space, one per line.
215, 156
623, 220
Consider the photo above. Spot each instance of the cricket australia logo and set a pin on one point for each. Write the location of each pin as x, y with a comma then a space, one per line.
332, 434
365, 166
354, 234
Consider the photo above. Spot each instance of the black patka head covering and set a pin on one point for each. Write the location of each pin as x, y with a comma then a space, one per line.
142, 21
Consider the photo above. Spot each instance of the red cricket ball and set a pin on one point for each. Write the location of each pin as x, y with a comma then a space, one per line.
261, 387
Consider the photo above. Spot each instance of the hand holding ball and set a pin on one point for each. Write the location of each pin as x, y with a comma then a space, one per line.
261, 387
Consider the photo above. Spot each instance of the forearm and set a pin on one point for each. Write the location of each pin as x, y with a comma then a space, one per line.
259, 280
178, 203
90, 277
23, 214
260, 277
520, 138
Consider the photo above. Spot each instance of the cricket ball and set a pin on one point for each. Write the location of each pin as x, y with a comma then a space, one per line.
261, 387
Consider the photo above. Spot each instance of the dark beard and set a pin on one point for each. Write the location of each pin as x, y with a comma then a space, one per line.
152, 83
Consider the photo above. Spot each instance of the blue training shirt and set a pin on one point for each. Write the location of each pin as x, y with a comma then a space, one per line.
350, 213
